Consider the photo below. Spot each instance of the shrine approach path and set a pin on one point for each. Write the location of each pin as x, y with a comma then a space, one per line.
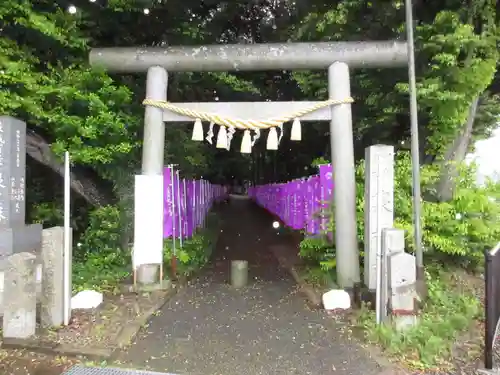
211, 329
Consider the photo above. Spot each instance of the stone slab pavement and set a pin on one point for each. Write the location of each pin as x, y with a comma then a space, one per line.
209, 328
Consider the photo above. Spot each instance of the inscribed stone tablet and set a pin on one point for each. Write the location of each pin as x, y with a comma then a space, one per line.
12, 172
379, 204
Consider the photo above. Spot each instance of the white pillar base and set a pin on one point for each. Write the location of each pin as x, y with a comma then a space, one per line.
148, 227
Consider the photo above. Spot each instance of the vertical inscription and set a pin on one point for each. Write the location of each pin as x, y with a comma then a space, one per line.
12, 172
379, 204
4, 191
18, 165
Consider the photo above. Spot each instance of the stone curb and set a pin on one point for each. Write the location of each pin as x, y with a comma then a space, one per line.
312, 297
314, 300
124, 338
386, 366
129, 333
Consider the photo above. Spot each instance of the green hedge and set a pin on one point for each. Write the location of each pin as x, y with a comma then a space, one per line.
195, 251
458, 230
101, 264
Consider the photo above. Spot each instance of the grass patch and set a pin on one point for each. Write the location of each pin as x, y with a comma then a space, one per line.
196, 250
319, 261
102, 271
449, 311
105, 270
318, 277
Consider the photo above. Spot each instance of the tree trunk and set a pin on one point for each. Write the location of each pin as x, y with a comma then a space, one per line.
39, 149
455, 155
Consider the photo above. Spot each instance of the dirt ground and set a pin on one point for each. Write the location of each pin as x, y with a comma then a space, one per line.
90, 331
23, 362
101, 327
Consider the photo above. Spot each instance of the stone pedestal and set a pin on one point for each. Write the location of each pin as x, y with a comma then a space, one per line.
21, 239
402, 292
483, 371
393, 242
52, 299
19, 320
239, 273
147, 274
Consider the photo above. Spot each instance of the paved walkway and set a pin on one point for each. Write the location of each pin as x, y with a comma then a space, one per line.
209, 328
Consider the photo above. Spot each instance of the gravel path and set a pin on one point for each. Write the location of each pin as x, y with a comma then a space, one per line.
209, 328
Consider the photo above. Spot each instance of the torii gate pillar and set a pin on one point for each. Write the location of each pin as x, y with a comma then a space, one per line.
153, 150
344, 191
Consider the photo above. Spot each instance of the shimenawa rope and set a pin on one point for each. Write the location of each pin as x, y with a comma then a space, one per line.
241, 123
224, 136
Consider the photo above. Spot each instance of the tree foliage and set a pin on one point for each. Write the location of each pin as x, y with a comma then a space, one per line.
97, 117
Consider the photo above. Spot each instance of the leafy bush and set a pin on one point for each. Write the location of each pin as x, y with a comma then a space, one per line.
455, 233
460, 229
195, 251
99, 262
103, 233
318, 250
102, 271
447, 313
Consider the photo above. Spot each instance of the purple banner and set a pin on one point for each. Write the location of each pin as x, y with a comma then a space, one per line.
326, 186
298, 203
186, 203
168, 213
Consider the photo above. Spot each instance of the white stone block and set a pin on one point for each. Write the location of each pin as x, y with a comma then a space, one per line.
336, 299
394, 241
404, 322
86, 299
53, 299
402, 283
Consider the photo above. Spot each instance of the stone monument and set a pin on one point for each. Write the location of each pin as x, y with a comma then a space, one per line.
19, 319
52, 299
379, 205
15, 236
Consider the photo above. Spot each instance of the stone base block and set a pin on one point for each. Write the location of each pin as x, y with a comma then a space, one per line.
22, 239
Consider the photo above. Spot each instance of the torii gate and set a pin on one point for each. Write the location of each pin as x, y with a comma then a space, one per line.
337, 57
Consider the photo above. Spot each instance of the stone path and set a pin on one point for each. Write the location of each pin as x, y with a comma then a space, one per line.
209, 328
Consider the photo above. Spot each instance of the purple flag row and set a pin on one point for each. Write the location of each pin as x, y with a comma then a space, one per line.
298, 202
186, 203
